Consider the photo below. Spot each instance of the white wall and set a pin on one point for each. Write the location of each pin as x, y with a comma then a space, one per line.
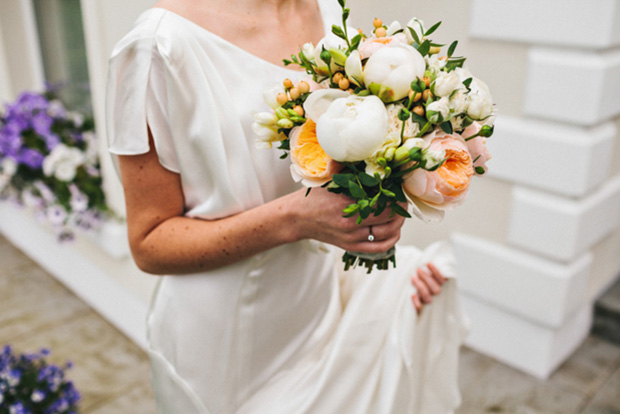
538, 238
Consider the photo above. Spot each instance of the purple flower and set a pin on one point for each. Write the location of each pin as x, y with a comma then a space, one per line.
31, 158
41, 123
18, 408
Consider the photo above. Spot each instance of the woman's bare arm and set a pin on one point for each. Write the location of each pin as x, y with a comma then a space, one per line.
163, 241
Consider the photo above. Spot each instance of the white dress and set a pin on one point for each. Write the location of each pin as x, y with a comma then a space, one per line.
286, 331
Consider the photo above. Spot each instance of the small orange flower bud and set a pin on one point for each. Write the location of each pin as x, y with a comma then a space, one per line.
288, 84
360, 31
427, 81
434, 50
426, 94
337, 77
281, 98
377, 23
419, 110
299, 109
303, 87
294, 92
343, 84
417, 97
380, 32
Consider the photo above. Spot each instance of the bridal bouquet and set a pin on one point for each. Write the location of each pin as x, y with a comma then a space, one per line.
387, 119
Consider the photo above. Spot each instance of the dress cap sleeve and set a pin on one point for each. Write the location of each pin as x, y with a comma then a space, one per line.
136, 97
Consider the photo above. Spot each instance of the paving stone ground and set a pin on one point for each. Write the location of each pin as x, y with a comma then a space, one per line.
112, 373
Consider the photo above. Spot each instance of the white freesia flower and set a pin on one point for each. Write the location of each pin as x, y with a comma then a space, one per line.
63, 162
308, 50
392, 140
390, 71
353, 68
353, 128
393, 28
446, 83
418, 26
270, 94
266, 128
435, 65
329, 42
438, 111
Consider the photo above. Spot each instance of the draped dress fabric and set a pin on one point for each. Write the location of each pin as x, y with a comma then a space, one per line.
285, 331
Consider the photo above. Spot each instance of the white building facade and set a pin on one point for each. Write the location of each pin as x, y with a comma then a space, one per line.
537, 241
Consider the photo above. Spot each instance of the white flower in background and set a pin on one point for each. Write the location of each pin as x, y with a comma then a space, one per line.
31, 200
353, 128
393, 28
91, 154
56, 109
9, 167
390, 70
438, 111
79, 200
56, 215
418, 26
266, 128
446, 83
63, 162
77, 118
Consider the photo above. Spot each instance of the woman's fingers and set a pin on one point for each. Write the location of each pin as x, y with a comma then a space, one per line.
436, 274
417, 304
423, 290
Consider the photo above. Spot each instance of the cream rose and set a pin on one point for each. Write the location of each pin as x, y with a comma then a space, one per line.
445, 188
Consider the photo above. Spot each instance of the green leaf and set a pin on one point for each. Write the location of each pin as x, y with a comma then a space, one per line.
417, 118
446, 127
337, 30
415, 86
368, 180
357, 192
396, 208
341, 2
342, 180
345, 14
452, 48
355, 42
432, 29
424, 48
414, 35
388, 193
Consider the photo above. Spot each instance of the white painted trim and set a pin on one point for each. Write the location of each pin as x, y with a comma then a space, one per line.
32, 40
66, 263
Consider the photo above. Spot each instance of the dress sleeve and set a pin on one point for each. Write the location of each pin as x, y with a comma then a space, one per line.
137, 100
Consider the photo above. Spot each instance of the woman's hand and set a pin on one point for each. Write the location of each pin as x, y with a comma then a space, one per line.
428, 282
320, 217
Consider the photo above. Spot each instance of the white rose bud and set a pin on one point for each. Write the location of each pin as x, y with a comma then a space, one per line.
446, 83
438, 111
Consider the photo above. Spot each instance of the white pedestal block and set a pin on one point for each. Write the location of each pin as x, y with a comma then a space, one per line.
569, 160
87, 278
542, 291
580, 88
573, 23
562, 228
535, 349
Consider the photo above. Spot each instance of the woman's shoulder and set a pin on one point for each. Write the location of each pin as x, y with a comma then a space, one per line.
156, 29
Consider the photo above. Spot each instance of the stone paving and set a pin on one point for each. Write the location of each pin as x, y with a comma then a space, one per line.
112, 373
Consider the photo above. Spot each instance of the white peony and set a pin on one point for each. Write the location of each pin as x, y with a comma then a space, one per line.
390, 70
353, 128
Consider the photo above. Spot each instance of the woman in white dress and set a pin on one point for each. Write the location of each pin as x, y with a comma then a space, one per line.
255, 315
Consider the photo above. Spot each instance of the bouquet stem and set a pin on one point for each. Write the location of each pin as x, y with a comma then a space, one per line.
370, 260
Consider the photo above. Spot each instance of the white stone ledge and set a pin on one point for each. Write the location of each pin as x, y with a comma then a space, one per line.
562, 228
80, 272
573, 23
535, 349
580, 88
569, 160
542, 291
